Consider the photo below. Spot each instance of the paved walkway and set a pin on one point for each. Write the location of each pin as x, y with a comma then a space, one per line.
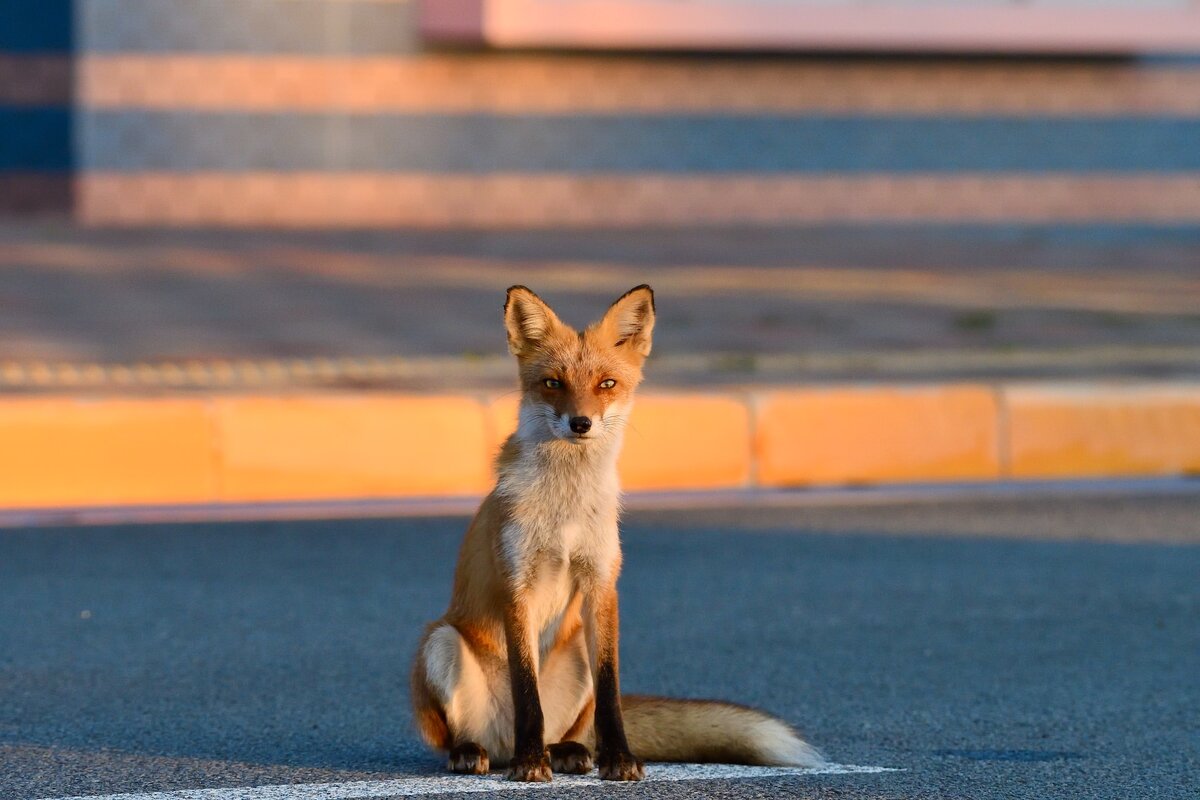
179, 309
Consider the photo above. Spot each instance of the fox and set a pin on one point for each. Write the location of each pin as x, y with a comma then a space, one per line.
522, 669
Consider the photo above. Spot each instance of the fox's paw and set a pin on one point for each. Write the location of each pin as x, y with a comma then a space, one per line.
468, 759
570, 758
533, 769
621, 767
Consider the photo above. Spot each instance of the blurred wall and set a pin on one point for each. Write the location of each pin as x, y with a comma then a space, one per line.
37, 159
330, 113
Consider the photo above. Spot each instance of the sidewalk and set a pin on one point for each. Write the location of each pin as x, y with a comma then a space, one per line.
133, 310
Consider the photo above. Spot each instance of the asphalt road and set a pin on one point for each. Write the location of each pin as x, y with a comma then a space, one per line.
1030, 649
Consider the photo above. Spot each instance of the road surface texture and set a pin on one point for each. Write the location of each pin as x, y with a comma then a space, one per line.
1014, 647
736, 306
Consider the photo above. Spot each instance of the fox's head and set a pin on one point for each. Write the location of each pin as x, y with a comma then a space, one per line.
578, 387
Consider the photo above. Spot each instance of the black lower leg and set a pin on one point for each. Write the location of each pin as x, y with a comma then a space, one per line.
612, 748
610, 727
530, 762
527, 708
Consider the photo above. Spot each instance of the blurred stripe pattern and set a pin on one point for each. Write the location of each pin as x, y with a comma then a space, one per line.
317, 199
37, 47
327, 112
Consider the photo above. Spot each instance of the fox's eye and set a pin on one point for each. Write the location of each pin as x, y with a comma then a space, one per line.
607, 383
552, 383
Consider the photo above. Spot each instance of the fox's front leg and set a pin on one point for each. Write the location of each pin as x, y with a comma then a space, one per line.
601, 623
529, 762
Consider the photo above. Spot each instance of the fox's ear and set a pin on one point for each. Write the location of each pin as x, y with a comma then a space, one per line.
528, 320
630, 320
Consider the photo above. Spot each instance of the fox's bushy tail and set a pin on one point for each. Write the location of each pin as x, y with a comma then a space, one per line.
665, 729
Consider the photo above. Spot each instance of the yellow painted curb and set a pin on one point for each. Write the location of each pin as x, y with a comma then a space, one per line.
63, 452
876, 434
1103, 430
67, 452
687, 442
350, 446
683, 441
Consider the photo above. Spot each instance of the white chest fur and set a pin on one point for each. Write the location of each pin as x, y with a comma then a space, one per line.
563, 502
564, 560
562, 534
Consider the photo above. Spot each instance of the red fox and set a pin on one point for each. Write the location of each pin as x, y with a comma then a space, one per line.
522, 669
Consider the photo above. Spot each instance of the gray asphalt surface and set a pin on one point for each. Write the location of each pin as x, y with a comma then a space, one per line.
1022, 652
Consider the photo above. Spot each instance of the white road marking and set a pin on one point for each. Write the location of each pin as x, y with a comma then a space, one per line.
447, 784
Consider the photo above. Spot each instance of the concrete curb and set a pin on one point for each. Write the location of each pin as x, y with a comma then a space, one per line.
121, 451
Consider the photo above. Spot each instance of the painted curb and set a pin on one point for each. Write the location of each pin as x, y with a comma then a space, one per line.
1079, 431
70, 452
852, 435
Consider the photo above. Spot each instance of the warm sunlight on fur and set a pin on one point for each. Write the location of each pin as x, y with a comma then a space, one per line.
566, 375
523, 668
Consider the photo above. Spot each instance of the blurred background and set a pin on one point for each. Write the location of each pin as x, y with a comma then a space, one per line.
237, 194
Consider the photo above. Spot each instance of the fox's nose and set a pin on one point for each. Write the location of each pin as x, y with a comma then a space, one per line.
581, 424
